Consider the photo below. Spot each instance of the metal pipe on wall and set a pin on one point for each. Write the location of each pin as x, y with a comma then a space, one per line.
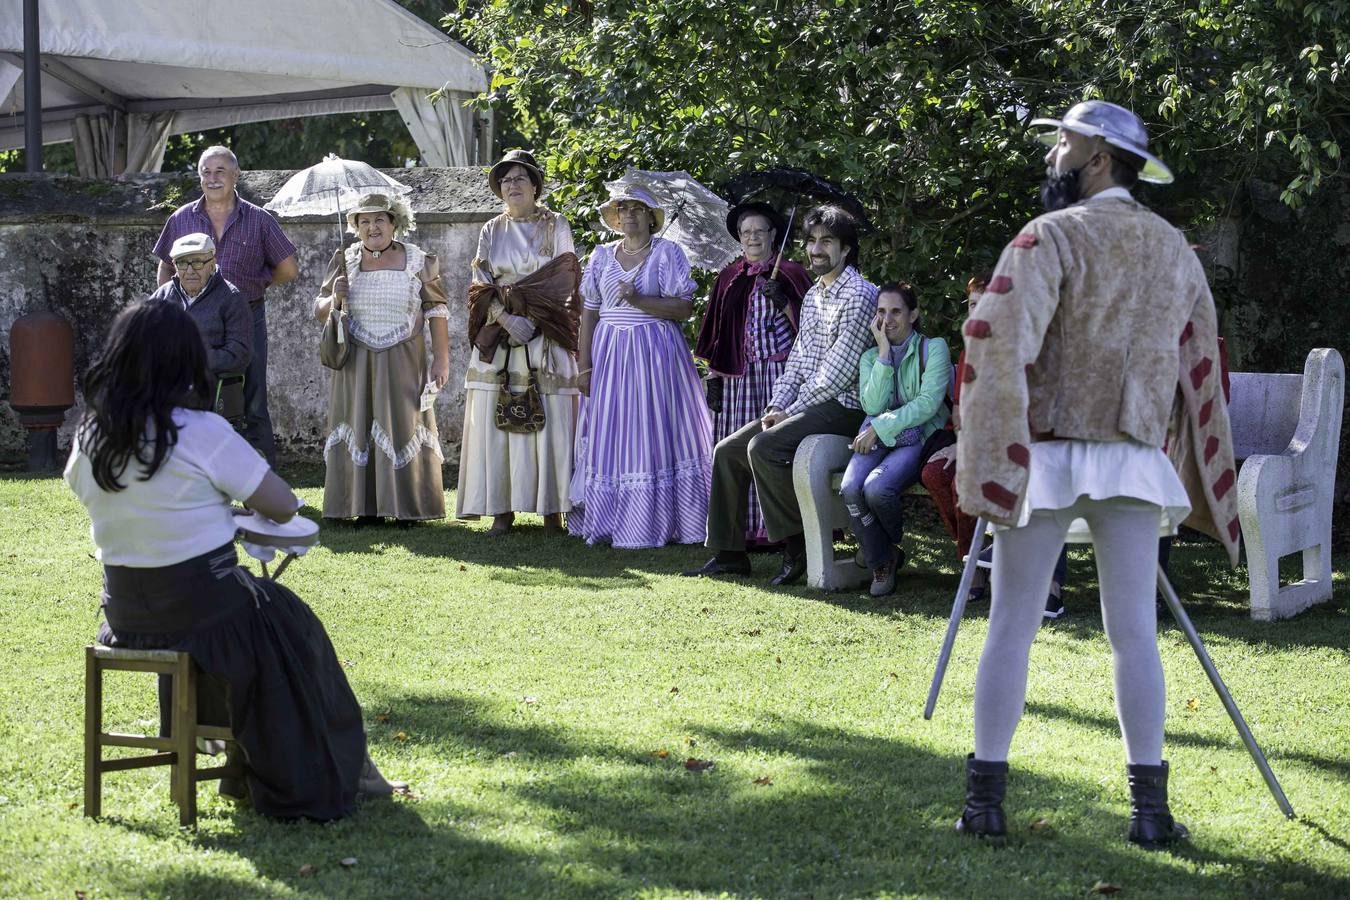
32, 88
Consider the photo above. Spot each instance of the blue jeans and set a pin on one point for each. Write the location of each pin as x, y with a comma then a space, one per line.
257, 420
873, 484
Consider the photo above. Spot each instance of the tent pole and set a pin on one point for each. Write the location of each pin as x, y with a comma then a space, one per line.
32, 88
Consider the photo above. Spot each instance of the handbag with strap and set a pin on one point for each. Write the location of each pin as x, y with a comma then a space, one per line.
335, 347
521, 413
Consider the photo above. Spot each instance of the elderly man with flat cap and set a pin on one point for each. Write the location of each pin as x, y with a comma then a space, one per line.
748, 330
221, 313
1093, 348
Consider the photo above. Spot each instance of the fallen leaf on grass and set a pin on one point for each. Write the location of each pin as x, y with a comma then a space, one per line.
529, 701
401, 736
1105, 887
660, 754
791, 629
895, 676
348, 664
1042, 824
690, 742
1192, 704
698, 766
382, 717
705, 611
464, 568
1214, 770
348, 862
306, 870
407, 793
73, 806
766, 780
674, 690
778, 660
753, 632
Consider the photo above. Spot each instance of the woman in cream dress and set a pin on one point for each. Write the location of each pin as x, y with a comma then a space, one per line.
503, 473
383, 455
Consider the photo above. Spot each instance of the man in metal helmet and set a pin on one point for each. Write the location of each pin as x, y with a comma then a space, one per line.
1093, 349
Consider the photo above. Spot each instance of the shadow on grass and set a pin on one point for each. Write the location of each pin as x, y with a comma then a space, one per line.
845, 813
1338, 767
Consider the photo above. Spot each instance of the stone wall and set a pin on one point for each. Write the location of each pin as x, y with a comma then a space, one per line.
82, 248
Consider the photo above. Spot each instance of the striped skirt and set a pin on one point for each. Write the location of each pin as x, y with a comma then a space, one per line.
743, 401
643, 463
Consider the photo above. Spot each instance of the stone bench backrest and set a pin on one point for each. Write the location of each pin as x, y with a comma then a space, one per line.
1264, 411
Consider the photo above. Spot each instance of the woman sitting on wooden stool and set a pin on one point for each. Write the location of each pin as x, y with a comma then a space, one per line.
157, 472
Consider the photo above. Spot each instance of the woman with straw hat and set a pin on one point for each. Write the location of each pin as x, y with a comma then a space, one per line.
523, 311
383, 454
644, 441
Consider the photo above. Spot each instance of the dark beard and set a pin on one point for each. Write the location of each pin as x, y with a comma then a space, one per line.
1059, 191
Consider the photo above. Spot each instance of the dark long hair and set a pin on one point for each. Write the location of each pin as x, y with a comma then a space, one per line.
153, 361
837, 222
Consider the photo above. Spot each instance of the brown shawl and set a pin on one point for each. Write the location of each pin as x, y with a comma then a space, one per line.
549, 297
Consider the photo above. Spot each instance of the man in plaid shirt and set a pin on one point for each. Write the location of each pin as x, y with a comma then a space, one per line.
252, 252
816, 394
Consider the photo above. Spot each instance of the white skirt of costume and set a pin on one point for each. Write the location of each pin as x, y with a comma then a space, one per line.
501, 472
1063, 471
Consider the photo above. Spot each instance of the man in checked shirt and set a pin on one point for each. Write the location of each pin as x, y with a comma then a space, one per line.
252, 252
816, 394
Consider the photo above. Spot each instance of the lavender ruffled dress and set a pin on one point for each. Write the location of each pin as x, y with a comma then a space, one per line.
643, 464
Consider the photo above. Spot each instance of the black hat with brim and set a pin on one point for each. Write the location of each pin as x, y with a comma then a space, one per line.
759, 209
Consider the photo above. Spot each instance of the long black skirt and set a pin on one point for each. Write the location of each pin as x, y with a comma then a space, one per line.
288, 701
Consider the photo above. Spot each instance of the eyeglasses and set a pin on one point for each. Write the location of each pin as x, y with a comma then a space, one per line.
632, 207
195, 265
747, 233
514, 179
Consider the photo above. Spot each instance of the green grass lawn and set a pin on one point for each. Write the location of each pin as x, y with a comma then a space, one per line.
542, 698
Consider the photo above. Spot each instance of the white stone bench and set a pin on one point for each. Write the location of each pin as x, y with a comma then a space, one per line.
1287, 429
817, 470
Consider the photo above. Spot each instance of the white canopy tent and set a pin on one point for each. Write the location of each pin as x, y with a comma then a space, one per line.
119, 77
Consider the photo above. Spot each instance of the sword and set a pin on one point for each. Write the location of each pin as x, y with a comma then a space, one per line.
958, 610
1188, 629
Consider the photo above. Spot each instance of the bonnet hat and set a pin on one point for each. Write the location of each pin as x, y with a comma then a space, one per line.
397, 208
609, 210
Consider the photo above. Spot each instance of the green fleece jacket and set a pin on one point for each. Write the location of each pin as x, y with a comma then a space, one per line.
921, 401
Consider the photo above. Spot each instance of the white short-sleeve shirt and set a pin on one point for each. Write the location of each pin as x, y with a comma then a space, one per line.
184, 509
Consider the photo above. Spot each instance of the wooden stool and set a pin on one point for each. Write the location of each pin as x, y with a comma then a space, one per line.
179, 751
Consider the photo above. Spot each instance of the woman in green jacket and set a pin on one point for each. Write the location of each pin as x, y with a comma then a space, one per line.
902, 384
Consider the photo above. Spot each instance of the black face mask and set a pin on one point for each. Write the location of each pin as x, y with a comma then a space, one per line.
1062, 189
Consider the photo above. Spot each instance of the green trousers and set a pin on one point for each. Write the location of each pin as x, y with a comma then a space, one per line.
765, 457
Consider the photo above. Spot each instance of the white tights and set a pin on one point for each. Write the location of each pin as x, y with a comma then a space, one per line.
1125, 535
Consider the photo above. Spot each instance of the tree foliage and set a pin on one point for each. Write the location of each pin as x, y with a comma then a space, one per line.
919, 108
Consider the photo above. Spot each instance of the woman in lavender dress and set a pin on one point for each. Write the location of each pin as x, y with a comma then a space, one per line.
643, 462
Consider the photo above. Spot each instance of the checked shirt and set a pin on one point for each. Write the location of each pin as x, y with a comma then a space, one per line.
834, 333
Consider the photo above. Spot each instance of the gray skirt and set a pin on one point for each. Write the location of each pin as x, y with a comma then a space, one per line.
383, 454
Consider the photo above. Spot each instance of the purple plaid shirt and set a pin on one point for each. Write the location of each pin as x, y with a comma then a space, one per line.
251, 247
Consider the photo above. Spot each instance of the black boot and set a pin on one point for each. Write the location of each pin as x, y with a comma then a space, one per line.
985, 784
1151, 824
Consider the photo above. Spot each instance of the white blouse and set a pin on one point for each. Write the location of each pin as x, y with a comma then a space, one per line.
384, 306
184, 509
